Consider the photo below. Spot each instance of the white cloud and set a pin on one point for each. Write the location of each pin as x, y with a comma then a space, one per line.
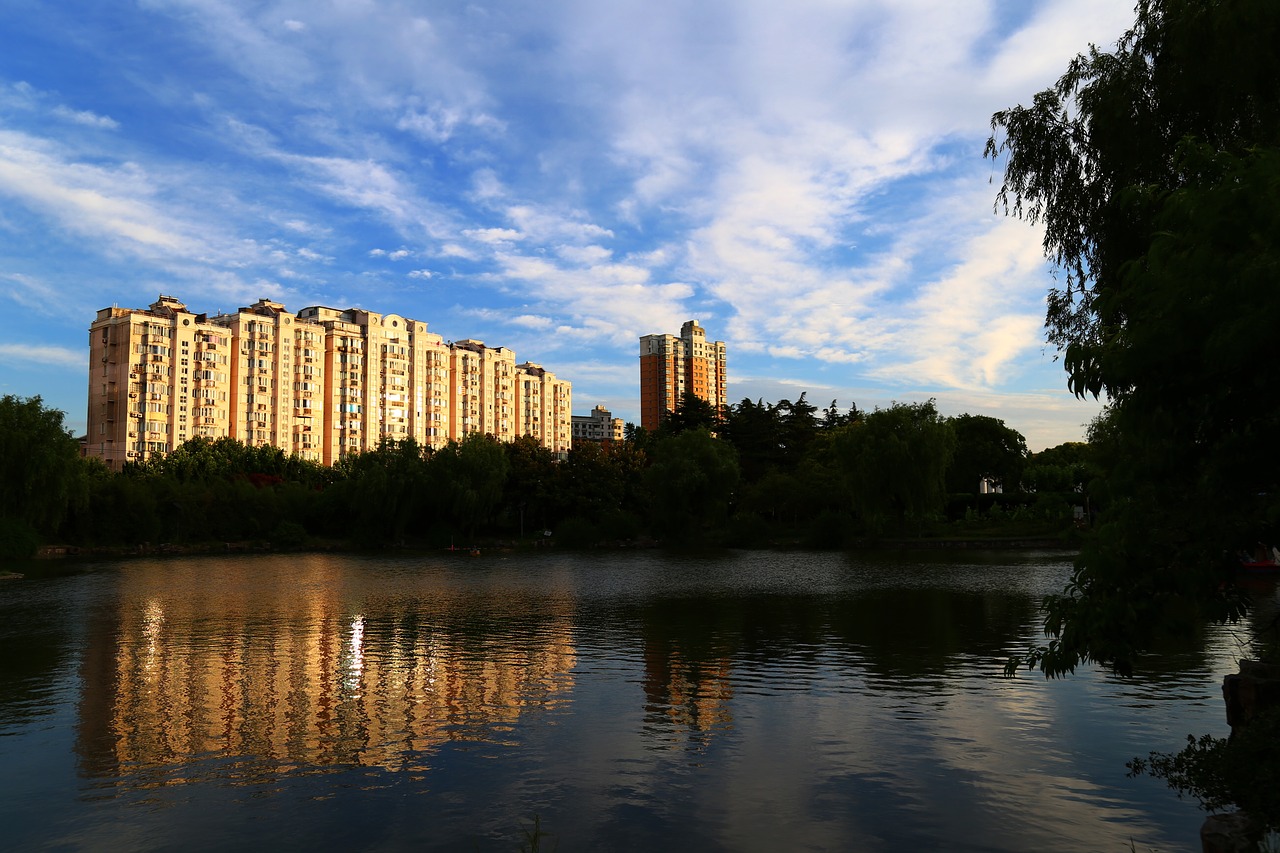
41, 355
86, 118
453, 250
493, 235
806, 178
105, 201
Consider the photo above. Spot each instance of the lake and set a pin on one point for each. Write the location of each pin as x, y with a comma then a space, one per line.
630, 700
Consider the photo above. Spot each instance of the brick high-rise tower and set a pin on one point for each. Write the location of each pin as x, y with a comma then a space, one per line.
670, 366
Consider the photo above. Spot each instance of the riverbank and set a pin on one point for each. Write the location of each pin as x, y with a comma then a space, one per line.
146, 549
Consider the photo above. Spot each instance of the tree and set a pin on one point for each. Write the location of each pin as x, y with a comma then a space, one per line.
986, 449
895, 461
1154, 170
1067, 467
468, 479
691, 412
383, 490
754, 431
40, 468
691, 483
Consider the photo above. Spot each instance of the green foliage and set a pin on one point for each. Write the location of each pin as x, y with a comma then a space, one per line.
40, 465
1068, 467
18, 540
828, 530
691, 413
691, 483
289, 535
1242, 771
577, 532
986, 449
467, 479
685, 487
1155, 170
383, 490
894, 463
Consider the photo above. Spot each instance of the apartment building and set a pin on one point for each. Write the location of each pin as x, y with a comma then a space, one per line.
671, 366
545, 406
322, 383
384, 376
483, 389
157, 377
600, 426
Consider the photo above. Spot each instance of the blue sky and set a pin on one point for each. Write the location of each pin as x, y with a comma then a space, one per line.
805, 178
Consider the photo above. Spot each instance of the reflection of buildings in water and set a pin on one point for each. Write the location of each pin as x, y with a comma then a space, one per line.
686, 693
299, 680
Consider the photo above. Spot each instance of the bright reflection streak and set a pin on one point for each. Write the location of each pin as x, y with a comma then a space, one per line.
356, 666
152, 624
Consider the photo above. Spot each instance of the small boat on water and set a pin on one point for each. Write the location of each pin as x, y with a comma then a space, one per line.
1262, 560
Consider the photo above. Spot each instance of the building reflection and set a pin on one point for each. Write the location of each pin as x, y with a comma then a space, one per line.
683, 692
688, 667
303, 677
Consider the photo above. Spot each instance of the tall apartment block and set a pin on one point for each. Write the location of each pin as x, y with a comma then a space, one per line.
321, 383
670, 366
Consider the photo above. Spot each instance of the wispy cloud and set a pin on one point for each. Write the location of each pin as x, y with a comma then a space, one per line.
44, 355
804, 178
86, 118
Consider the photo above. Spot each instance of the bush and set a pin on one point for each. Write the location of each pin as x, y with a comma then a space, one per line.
289, 535
18, 540
576, 533
1241, 771
829, 531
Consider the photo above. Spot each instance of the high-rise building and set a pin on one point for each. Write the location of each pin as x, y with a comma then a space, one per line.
670, 366
157, 377
322, 383
545, 407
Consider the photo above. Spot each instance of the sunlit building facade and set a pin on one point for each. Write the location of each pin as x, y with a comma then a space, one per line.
322, 383
670, 366
545, 406
600, 426
157, 377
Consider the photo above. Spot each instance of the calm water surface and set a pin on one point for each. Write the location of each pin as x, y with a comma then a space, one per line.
631, 701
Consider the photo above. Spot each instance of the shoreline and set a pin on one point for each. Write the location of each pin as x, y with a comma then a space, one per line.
73, 552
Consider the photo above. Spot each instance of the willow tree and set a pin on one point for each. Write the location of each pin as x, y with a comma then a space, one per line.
1154, 170
894, 462
41, 472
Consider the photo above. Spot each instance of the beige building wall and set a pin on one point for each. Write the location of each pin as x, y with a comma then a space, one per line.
544, 407
321, 384
157, 377
261, 366
600, 426
404, 376
342, 391
483, 390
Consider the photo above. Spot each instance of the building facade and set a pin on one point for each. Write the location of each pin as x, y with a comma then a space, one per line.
320, 384
671, 366
600, 426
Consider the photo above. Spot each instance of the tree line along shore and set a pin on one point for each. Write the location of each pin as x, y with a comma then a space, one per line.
754, 475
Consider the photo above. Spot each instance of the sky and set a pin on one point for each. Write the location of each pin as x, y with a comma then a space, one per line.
804, 178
